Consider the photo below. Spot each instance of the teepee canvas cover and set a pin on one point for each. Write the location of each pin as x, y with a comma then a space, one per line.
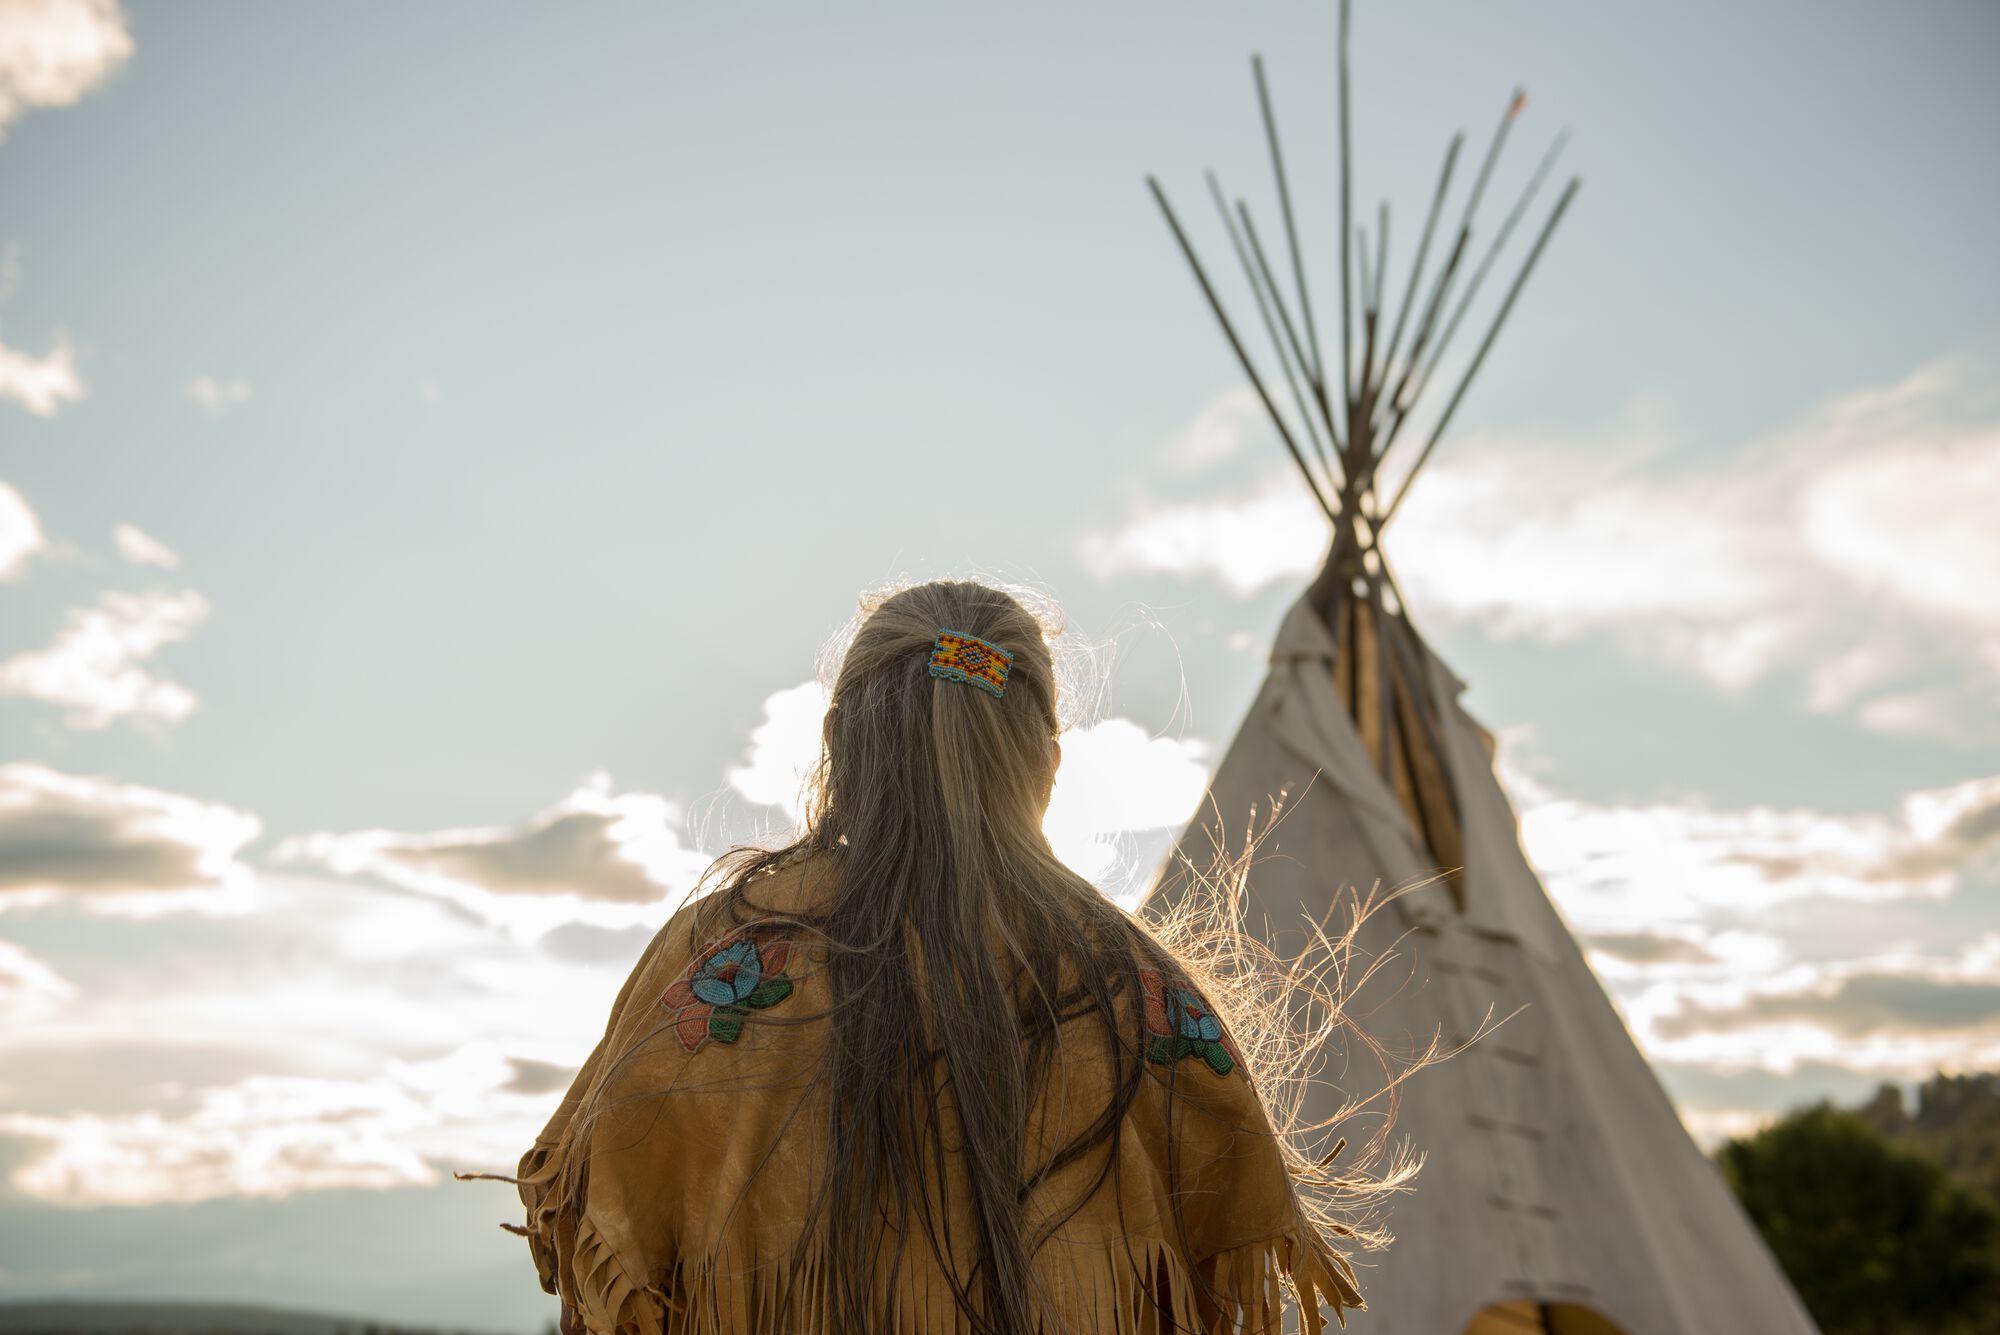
1560, 1191
1557, 1178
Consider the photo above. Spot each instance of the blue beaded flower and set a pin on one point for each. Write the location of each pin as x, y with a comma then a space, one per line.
1182, 1025
743, 972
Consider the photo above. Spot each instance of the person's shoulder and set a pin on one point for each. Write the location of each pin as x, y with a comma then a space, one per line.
721, 965
802, 882
748, 903
795, 885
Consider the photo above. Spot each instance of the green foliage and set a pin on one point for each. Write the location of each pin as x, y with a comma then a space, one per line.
1875, 1236
1956, 1122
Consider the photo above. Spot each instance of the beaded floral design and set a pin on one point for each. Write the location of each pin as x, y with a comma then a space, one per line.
742, 972
1180, 1024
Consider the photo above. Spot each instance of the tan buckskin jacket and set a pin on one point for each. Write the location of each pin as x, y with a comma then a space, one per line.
668, 1192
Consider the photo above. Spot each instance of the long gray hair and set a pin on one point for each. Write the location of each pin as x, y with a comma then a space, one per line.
956, 936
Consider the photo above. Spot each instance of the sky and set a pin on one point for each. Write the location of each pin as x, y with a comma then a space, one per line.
438, 446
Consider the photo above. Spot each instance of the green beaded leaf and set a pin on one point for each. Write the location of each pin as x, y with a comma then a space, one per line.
725, 1025
769, 992
1167, 1051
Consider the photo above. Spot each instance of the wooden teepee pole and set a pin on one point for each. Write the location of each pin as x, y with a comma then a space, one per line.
1291, 332
1354, 429
1271, 327
1507, 226
1291, 228
1400, 402
1486, 344
1236, 344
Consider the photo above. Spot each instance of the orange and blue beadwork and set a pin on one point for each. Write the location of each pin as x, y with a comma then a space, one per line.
967, 658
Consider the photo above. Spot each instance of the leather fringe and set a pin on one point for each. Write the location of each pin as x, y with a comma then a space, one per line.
1145, 1288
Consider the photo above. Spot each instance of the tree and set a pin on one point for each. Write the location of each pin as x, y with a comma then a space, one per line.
1956, 1122
1875, 1237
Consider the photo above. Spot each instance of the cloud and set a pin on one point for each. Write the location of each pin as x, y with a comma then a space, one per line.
141, 549
618, 853
1618, 869
1119, 780
96, 667
1856, 1006
533, 1077
1715, 928
783, 748
20, 533
1269, 533
1649, 948
52, 52
582, 943
197, 1056
1853, 550
1879, 520
40, 384
117, 847
1116, 780
218, 397
1822, 949
1685, 952
1222, 429
1901, 1014
29, 989
272, 1136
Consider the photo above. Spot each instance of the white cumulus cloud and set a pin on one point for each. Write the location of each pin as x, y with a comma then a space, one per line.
784, 747
274, 1135
40, 384
97, 667
29, 989
1854, 551
343, 1036
1223, 428
1899, 1015
1269, 533
1622, 868
20, 533
1116, 780
142, 549
1770, 939
52, 52
596, 856
1916, 524
117, 847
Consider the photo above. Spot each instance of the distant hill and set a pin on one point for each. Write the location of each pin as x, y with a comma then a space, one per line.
184, 1318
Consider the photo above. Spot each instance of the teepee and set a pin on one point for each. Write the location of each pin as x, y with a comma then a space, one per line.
1560, 1191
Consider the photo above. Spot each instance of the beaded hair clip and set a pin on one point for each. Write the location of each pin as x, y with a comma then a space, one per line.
967, 658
